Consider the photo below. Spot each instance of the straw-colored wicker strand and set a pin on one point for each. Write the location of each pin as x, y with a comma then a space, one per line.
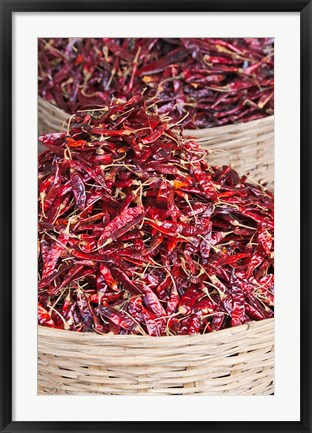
50, 117
248, 147
234, 361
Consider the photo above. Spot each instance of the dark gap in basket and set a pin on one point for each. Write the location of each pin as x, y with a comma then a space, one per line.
231, 356
224, 375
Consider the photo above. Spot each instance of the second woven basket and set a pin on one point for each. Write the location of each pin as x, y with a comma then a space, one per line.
247, 147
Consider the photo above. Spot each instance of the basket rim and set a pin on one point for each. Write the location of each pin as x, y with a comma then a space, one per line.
44, 331
232, 127
186, 132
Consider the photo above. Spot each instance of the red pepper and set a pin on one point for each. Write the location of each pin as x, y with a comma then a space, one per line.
205, 182
190, 325
44, 318
265, 240
58, 247
78, 190
151, 301
120, 225
119, 318
238, 309
173, 301
70, 276
188, 300
108, 277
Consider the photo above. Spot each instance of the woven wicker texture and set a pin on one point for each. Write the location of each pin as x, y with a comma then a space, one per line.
234, 361
248, 147
50, 117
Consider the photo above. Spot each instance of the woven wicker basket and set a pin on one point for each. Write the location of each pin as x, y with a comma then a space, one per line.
234, 361
248, 147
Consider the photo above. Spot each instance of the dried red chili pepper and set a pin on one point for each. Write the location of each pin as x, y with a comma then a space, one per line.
44, 318
124, 222
119, 318
188, 300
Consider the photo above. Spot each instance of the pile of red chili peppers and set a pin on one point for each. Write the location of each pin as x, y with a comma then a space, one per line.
139, 235
202, 82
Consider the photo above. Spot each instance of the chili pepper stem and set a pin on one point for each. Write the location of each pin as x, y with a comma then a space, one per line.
172, 125
60, 208
216, 249
42, 197
204, 331
66, 326
138, 324
213, 314
58, 242
184, 267
57, 300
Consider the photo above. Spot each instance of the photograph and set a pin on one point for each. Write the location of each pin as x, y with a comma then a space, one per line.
156, 216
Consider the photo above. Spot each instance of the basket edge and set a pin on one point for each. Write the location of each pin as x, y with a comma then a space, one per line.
182, 339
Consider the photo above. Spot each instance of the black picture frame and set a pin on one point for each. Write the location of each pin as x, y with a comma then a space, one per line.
7, 10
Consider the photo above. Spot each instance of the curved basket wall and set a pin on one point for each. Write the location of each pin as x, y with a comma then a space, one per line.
247, 147
234, 361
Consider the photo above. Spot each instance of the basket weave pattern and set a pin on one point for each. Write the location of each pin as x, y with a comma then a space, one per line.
247, 147
50, 117
234, 361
